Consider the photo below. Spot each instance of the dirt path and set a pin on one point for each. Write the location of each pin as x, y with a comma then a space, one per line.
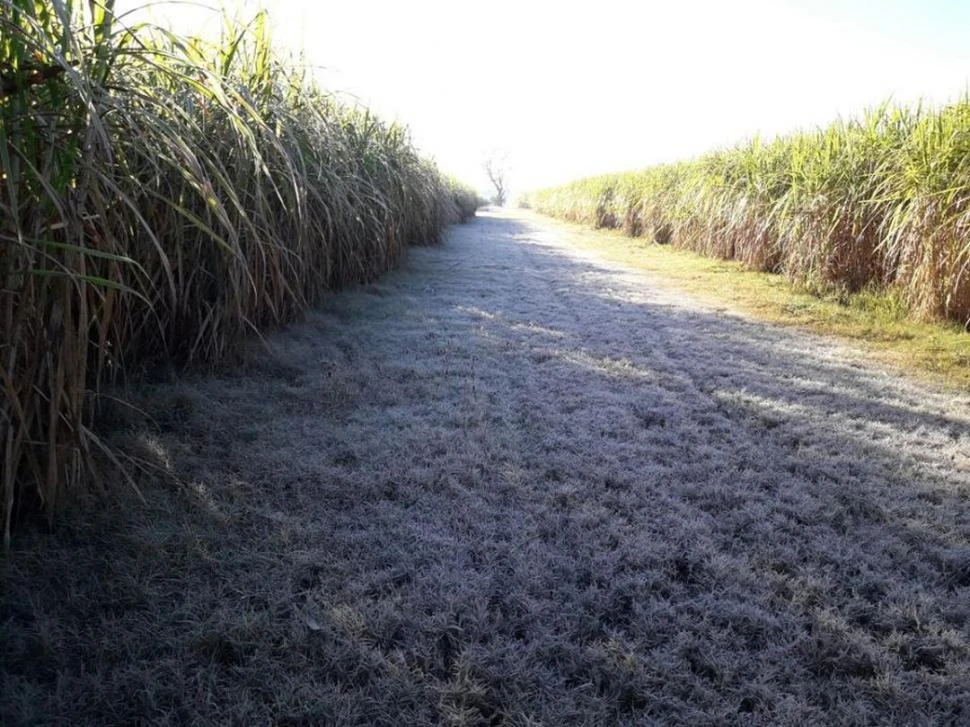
513, 485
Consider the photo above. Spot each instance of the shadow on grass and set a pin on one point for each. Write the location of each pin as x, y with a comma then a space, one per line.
513, 486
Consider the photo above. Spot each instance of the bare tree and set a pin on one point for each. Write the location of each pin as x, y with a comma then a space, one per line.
495, 169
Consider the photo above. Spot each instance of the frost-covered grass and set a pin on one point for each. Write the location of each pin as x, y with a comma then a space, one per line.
514, 485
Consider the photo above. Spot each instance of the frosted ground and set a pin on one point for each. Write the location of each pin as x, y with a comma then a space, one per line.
512, 484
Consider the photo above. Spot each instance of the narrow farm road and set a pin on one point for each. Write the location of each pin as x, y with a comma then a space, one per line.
512, 484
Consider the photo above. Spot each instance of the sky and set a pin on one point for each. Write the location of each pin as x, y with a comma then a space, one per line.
562, 90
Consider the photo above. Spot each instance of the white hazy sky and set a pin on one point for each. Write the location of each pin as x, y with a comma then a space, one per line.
570, 89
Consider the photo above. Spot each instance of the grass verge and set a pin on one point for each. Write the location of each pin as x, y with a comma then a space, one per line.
876, 320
